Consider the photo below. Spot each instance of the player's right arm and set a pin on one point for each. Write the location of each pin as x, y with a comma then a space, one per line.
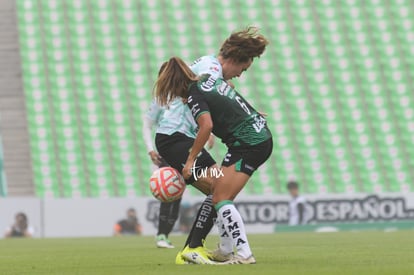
150, 119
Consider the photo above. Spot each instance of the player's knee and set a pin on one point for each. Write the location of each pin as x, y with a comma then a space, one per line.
203, 186
220, 193
215, 200
221, 197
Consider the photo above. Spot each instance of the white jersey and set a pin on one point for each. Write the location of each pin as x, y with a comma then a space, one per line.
208, 64
177, 117
294, 213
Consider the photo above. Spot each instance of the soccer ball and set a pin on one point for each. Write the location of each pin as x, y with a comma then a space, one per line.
167, 184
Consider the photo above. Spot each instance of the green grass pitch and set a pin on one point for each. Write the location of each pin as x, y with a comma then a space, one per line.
283, 253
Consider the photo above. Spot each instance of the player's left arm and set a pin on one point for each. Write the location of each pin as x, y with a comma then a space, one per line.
150, 119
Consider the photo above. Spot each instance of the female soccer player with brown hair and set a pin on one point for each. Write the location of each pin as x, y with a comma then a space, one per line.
175, 133
218, 108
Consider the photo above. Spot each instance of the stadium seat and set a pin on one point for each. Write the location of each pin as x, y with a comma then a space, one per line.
335, 81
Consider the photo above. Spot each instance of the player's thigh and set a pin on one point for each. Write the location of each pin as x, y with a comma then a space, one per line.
205, 183
247, 159
238, 166
175, 149
203, 187
229, 184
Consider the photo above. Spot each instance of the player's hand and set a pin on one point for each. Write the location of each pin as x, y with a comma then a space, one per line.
188, 169
210, 142
155, 157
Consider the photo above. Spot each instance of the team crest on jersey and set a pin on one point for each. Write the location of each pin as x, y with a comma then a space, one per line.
208, 85
259, 123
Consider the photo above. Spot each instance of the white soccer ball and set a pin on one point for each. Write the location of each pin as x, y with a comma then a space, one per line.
167, 184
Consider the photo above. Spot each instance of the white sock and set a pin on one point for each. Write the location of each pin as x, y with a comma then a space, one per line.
234, 227
226, 243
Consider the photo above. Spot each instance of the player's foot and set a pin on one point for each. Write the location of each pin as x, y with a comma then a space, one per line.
237, 259
196, 255
163, 242
219, 256
180, 260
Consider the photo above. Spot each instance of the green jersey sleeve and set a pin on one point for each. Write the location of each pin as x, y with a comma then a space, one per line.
235, 121
197, 103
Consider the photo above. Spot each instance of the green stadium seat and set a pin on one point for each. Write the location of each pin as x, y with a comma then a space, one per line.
335, 83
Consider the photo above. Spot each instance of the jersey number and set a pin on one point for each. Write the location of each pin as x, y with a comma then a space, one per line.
242, 104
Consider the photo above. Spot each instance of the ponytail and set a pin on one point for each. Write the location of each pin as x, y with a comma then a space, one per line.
173, 81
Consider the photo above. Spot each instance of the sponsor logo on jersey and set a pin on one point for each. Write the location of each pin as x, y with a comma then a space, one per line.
214, 68
208, 85
224, 89
195, 109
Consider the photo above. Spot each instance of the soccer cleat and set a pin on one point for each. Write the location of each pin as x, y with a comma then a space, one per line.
163, 242
196, 255
180, 260
219, 256
236, 259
